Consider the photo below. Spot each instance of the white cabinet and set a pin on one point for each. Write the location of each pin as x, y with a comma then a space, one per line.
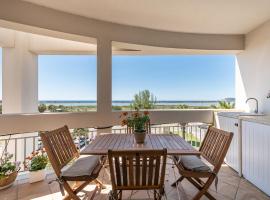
256, 154
233, 157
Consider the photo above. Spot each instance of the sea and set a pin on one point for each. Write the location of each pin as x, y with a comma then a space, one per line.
126, 102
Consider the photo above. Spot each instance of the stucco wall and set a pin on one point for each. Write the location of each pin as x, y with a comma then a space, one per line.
253, 70
31, 15
23, 123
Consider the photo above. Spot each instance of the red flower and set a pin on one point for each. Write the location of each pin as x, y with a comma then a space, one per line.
124, 122
123, 114
136, 114
29, 157
146, 113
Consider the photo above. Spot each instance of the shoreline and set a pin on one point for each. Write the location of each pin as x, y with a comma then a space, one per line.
127, 103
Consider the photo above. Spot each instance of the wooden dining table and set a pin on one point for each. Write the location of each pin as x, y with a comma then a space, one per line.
174, 144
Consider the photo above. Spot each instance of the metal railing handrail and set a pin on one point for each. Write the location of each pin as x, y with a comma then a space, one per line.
23, 145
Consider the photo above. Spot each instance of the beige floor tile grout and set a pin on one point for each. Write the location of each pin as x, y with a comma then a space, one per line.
17, 189
238, 188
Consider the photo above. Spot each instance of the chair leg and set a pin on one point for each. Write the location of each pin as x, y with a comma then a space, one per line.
94, 193
161, 193
178, 180
202, 189
120, 195
98, 182
203, 192
199, 181
113, 195
67, 197
71, 194
80, 187
157, 195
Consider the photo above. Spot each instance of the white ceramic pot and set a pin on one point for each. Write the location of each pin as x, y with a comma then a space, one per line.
36, 176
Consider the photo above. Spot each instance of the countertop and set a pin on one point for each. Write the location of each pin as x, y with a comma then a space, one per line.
262, 119
234, 115
257, 119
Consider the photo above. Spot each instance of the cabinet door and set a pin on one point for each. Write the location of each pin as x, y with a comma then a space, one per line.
256, 154
232, 157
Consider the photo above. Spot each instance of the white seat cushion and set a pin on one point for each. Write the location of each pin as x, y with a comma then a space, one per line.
82, 168
193, 163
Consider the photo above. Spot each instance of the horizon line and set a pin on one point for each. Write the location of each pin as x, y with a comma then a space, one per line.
132, 100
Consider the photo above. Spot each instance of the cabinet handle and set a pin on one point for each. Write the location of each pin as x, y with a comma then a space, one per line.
236, 124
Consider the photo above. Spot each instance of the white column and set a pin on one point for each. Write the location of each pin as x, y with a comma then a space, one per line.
104, 83
20, 77
104, 76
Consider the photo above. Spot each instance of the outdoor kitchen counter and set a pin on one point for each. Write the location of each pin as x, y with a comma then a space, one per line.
234, 115
260, 118
249, 152
257, 119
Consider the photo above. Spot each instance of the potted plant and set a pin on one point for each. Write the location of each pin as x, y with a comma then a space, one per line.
137, 122
8, 170
36, 164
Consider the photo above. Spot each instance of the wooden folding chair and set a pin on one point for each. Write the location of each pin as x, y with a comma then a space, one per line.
213, 149
147, 127
61, 150
137, 170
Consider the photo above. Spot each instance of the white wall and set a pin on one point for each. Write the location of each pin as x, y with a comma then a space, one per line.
25, 123
253, 75
20, 81
30, 16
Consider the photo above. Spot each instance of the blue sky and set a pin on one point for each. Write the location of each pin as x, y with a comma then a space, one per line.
203, 77
67, 77
196, 77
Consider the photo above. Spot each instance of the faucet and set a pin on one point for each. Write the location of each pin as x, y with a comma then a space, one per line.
256, 100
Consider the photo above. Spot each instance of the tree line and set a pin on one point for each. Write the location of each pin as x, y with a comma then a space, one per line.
142, 100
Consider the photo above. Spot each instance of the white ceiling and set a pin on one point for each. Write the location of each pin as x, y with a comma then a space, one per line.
193, 16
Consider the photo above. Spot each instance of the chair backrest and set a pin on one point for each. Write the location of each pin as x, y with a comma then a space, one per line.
215, 146
147, 126
137, 169
60, 147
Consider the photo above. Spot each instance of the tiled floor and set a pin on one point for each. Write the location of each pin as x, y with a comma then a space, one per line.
230, 186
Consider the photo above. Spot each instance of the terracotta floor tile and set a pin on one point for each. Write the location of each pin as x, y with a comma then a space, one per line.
218, 196
245, 184
230, 186
225, 169
244, 194
10, 193
54, 187
34, 190
225, 189
230, 178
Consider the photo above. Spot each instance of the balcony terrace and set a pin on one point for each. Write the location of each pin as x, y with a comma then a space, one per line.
103, 29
